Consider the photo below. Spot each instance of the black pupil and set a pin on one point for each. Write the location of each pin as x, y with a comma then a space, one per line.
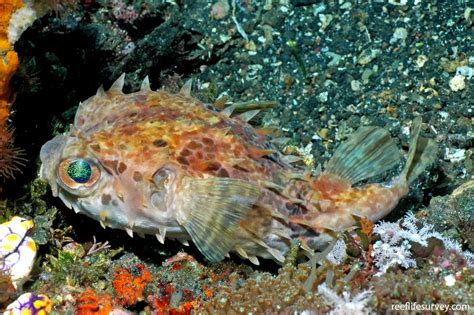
80, 171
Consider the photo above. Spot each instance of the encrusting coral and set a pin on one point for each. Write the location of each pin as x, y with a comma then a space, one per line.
129, 283
89, 303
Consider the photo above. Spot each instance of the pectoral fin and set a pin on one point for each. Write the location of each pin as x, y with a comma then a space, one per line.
211, 209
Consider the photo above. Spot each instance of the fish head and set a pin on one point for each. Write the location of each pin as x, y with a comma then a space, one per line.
133, 193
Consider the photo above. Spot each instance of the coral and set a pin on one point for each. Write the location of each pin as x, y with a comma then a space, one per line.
162, 303
129, 283
91, 303
122, 11
397, 238
338, 253
426, 285
345, 304
453, 215
68, 268
266, 293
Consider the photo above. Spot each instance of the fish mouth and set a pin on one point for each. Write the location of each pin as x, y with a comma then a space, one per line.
49, 156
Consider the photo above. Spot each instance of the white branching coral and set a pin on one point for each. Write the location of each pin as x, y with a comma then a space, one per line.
393, 248
387, 255
345, 305
338, 253
412, 233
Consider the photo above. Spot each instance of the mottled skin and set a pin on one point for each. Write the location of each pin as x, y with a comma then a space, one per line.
157, 155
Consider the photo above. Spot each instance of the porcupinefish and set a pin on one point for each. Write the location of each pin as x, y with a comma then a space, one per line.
153, 162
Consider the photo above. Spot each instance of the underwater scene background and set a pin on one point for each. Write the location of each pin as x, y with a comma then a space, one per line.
317, 71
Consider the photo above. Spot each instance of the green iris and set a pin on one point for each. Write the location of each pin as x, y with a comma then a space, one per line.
79, 170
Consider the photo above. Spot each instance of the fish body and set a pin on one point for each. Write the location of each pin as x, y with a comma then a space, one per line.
158, 163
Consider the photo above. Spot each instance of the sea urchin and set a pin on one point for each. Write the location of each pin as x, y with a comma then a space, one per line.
11, 157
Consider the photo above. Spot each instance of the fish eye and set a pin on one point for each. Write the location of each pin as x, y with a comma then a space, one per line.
79, 171
78, 175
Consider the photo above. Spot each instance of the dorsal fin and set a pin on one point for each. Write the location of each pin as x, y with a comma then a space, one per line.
117, 86
422, 152
368, 152
257, 153
186, 88
247, 116
281, 141
145, 86
228, 110
100, 91
266, 131
292, 158
220, 102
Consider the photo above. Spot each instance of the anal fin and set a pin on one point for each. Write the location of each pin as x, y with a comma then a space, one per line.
211, 209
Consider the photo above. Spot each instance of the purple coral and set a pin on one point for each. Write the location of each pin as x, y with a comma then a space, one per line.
122, 11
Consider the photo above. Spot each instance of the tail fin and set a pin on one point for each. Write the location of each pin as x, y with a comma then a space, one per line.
369, 152
422, 153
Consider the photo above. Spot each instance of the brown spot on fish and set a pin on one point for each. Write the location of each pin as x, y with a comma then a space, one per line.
213, 166
121, 167
185, 152
95, 147
240, 168
182, 160
160, 143
105, 199
207, 141
110, 166
137, 176
225, 146
223, 173
194, 145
